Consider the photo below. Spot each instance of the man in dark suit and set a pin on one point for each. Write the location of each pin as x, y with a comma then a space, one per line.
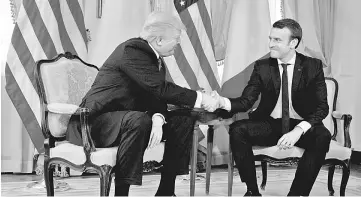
128, 105
292, 106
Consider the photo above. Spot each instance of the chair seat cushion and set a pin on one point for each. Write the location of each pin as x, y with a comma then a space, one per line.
336, 152
101, 156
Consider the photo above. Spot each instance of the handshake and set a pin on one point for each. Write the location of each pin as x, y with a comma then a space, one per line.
212, 101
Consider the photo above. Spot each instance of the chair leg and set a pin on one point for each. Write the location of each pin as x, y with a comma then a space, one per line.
331, 171
193, 161
264, 174
230, 170
345, 176
210, 134
105, 179
48, 178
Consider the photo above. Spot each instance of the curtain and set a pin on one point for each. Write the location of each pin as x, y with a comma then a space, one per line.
316, 18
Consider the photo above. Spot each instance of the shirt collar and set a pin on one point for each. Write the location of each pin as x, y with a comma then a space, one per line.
156, 53
292, 60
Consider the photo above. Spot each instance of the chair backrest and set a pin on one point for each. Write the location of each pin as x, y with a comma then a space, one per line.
332, 92
64, 79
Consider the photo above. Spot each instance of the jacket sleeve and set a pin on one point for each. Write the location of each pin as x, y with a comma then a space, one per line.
320, 89
250, 93
138, 65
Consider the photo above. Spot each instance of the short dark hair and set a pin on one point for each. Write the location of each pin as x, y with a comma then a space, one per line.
292, 25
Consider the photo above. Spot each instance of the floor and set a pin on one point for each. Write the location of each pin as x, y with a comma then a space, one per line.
279, 180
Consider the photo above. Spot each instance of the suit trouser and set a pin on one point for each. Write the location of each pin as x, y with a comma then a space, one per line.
133, 140
246, 133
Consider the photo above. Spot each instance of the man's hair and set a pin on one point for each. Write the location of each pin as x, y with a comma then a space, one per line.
161, 24
292, 25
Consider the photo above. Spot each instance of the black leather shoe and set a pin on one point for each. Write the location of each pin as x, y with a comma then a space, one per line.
250, 193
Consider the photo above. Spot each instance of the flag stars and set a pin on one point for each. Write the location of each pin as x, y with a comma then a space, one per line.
181, 3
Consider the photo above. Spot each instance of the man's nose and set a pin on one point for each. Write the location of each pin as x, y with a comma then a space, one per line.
271, 44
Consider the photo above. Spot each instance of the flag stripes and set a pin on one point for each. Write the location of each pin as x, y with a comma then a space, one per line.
186, 69
195, 56
41, 32
48, 17
26, 114
73, 30
39, 29
24, 53
205, 16
78, 16
64, 36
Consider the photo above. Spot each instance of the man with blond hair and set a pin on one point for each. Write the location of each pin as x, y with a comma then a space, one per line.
128, 102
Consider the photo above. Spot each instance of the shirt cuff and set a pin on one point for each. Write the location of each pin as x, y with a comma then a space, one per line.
199, 100
158, 119
305, 126
227, 104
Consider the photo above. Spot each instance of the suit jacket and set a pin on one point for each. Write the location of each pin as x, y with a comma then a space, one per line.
129, 80
309, 92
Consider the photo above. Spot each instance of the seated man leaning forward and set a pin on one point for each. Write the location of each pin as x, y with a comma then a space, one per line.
129, 93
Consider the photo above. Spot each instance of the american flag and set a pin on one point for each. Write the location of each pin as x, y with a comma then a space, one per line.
193, 64
43, 29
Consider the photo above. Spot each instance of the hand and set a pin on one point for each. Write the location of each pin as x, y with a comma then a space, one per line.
289, 139
155, 136
209, 103
221, 102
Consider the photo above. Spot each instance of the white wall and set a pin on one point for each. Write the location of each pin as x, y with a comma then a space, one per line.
120, 21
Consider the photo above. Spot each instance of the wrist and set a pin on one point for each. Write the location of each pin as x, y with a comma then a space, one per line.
158, 120
222, 102
300, 130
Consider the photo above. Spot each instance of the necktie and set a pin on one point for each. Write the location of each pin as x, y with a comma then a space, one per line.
160, 63
285, 102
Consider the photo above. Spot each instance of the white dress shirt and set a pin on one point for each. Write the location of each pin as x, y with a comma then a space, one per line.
277, 111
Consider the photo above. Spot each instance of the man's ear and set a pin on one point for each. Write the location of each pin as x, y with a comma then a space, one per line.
159, 41
294, 42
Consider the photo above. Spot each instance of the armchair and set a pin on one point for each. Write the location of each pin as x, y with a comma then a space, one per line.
62, 82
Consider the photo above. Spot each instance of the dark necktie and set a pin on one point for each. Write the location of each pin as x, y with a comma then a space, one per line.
159, 63
285, 102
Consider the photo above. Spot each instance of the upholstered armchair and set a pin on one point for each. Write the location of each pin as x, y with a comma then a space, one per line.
62, 82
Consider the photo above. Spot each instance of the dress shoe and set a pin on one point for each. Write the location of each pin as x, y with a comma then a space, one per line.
250, 193
163, 195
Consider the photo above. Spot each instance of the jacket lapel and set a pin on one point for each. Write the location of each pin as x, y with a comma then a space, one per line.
275, 73
297, 72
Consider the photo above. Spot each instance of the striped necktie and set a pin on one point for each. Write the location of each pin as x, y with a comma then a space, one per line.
159, 63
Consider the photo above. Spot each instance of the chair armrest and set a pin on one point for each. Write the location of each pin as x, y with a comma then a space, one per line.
346, 125
88, 143
70, 109
63, 108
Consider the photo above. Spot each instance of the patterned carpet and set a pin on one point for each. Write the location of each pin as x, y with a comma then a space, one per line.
278, 184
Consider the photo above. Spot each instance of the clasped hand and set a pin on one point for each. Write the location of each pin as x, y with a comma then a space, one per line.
211, 101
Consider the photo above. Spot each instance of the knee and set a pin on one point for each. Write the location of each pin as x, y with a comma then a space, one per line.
140, 121
323, 138
238, 129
